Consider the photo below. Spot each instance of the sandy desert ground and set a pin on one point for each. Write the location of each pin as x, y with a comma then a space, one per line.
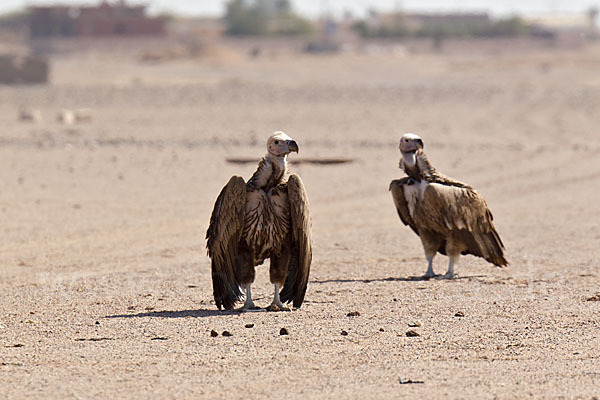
105, 283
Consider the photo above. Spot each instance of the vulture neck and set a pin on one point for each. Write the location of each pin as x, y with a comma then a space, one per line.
409, 165
270, 172
410, 159
417, 166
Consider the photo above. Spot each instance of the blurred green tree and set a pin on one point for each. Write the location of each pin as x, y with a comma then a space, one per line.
264, 17
399, 26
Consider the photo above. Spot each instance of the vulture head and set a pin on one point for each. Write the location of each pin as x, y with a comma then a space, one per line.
410, 143
280, 144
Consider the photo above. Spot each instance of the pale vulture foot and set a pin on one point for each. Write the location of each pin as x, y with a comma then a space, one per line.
248, 307
429, 274
248, 304
277, 305
449, 275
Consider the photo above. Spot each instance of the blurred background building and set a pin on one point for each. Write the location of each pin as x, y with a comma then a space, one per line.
26, 31
105, 19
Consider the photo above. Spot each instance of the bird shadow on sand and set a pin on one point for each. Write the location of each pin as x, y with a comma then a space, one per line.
179, 314
418, 278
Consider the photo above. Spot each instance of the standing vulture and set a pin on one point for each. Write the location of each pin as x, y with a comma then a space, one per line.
450, 217
266, 217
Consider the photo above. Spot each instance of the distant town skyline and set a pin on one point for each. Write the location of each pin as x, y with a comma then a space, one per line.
315, 8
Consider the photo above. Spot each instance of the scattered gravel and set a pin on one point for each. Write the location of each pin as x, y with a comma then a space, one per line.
596, 297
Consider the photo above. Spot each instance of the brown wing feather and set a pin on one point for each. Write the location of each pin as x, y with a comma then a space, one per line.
461, 209
396, 187
299, 266
223, 238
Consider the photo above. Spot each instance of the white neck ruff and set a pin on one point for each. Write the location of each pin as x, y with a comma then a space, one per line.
410, 159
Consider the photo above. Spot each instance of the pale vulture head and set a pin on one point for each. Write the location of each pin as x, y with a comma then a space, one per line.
280, 144
410, 143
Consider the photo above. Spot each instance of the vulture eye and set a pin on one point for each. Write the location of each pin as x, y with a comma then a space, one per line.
277, 142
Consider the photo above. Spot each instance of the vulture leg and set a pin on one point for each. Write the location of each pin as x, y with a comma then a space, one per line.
429, 273
454, 247
277, 274
245, 272
277, 305
450, 274
431, 244
248, 304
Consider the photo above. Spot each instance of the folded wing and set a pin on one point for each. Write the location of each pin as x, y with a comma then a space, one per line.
223, 238
301, 246
396, 187
449, 208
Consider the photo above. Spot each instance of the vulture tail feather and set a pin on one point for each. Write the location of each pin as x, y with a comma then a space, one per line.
486, 245
495, 249
290, 287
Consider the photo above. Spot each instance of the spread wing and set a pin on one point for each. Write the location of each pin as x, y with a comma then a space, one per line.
396, 187
223, 237
299, 266
461, 209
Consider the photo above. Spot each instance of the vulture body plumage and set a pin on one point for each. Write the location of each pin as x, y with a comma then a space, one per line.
266, 217
449, 216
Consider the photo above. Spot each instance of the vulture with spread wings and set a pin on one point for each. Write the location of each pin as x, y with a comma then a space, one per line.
266, 217
450, 217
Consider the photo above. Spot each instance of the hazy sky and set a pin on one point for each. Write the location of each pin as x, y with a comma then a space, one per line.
358, 7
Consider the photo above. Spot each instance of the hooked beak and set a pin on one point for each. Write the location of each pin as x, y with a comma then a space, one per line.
293, 146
